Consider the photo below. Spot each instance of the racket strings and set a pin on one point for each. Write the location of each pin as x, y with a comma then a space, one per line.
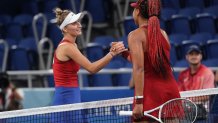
178, 111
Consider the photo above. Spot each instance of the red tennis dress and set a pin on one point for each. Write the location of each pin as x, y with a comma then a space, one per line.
158, 90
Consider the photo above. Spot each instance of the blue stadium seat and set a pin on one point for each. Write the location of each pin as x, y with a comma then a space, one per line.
181, 63
212, 49
102, 80
178, 38
94, 51
54, 33
5, 19
213, 10
190, 11
211, 62
99, 9
205, 23
192, 3
30, 7
175, 4
14, 31
173, 54
166, 13
104, 41
180, 24
25, 20
18, 59
201, 37
28, 43
12, 42
124, 78
129, 25
163, 25
215, 2
216, 36
49, 5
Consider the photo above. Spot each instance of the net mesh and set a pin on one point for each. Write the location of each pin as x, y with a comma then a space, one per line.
107, 111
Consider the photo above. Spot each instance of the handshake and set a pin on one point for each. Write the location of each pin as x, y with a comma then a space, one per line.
117, 48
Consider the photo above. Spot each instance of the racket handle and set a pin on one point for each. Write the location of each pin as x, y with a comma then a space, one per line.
125, 113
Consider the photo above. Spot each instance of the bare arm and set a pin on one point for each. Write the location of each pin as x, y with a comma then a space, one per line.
70, 51
137, 56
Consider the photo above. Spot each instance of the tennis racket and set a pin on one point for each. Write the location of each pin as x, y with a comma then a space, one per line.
178, 110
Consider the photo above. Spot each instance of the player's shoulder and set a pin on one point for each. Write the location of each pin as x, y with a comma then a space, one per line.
136, 34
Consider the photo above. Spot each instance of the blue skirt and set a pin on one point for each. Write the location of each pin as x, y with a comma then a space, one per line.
66, 95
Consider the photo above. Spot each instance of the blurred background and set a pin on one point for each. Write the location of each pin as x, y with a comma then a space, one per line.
29, 36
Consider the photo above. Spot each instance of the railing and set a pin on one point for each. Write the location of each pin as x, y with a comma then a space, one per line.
30, 74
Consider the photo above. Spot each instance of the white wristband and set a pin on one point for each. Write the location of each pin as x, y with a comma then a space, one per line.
139, 97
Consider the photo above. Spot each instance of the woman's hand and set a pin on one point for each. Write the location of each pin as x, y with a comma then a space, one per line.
138, 111
117, 48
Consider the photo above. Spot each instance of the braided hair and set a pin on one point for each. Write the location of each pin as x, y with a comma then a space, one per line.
150, 9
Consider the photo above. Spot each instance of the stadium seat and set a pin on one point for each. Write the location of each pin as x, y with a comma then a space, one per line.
180, 64
215, 2
99, 9
202, 38
192, 3
12, 42
173, 54
104, 41
212, 10
180, 24
129, 25
25, 20
178, 38
49, 5
190, 12
28, 43
102, 80
205, 23
175, 4
94, 51
210, 62
55, 34
163, 25
30, 7
216, 36
166, 13
5, 19
14, 31
212, 49
18, 59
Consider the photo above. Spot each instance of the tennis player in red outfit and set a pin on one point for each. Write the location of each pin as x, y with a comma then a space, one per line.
149, 52
68, 58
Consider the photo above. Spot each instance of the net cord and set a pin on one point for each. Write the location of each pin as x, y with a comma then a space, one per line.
94, 104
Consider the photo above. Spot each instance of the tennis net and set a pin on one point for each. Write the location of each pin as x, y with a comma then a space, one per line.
107, 111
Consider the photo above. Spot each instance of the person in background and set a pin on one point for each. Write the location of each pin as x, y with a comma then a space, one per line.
68, 58
10, 97
197, 76
149, 52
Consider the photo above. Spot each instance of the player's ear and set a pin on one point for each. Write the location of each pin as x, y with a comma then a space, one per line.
64, 29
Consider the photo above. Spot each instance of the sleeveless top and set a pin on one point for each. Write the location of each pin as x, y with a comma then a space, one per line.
158, 90
65, 72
